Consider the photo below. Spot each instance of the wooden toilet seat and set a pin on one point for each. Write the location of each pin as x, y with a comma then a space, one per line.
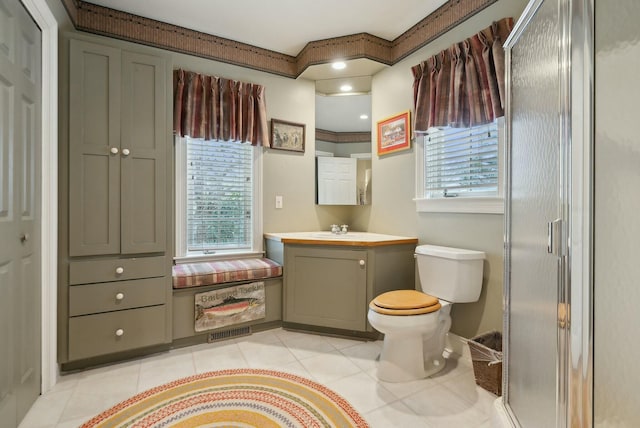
404, 302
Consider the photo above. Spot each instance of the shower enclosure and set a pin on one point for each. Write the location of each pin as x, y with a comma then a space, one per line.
548, 238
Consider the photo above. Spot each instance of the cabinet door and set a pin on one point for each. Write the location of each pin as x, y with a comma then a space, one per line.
94, 132
143, 148
326, 287
337, 181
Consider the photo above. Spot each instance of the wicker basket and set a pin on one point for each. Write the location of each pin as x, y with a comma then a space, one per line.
486, 356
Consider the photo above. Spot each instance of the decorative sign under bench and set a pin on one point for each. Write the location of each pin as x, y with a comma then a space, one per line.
228, 306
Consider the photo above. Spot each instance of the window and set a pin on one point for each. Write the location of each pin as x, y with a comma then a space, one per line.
459, 169
217, 193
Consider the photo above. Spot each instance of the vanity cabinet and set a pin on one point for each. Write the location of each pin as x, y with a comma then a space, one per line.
114, 292
326, 287
328, 283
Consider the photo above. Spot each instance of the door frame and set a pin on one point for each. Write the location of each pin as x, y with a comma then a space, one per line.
44, 18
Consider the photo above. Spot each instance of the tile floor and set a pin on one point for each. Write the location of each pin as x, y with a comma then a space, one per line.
449, 399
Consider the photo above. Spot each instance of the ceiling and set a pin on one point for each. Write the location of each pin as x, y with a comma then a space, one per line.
286, 26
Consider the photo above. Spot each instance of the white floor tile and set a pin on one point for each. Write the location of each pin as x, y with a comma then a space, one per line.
364, 355
443, 408
341, 343
307, 346
330, 366
448, 399
404, 389
395, 415
167, 368
47, 409
218, 356
362, 392
260, 355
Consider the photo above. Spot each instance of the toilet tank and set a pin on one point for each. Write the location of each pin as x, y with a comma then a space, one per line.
452, 274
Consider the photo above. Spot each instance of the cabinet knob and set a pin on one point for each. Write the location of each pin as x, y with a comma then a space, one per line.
119, 332
119, 270
362, 263
119, 296
125, 152
114, 150
24, 237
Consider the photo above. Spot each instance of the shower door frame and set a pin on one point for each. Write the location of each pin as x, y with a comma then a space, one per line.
575, 336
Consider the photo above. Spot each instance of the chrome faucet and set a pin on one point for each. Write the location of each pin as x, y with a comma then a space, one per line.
339, 229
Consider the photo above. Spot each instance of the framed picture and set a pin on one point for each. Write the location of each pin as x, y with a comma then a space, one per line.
287, 135
394, 133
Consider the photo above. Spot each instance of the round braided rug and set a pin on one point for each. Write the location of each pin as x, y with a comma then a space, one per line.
234, 398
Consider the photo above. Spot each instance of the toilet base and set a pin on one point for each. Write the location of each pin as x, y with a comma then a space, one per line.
401, 359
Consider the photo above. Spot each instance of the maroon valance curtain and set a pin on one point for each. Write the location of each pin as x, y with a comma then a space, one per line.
463, 85
214, 108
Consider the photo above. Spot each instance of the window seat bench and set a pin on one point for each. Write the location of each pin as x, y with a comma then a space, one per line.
190, 279
219, 272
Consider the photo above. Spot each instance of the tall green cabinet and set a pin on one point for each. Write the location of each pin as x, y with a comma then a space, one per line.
115, 201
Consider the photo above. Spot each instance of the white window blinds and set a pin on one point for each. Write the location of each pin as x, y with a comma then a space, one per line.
461, 162
219, 196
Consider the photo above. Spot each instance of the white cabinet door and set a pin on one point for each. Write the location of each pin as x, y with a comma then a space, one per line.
337, 181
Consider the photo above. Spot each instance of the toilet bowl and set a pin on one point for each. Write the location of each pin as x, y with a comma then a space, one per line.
415, 322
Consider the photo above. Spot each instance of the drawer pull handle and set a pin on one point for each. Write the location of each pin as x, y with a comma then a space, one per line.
119, 270
361, 262
119, 332
119, 296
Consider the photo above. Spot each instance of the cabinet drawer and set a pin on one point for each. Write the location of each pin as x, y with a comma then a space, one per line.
93, 335
90, 271
112, 296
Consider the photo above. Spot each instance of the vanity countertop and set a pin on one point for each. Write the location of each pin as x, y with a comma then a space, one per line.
349, 239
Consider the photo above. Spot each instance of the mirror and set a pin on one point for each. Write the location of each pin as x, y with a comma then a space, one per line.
343, 147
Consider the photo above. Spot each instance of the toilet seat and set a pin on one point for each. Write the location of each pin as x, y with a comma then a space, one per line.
404, 302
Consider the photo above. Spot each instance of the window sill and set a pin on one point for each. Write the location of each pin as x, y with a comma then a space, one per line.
461, 205
213, 257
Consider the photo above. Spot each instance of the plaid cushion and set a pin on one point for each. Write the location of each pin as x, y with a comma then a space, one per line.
218, 272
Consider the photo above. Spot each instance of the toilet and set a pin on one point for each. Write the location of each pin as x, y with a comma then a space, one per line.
415, 322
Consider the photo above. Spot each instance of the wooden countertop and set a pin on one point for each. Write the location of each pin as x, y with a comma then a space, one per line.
350, 239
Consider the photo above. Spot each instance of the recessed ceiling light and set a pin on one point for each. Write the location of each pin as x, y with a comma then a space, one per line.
364, 116
346, 88
339, 65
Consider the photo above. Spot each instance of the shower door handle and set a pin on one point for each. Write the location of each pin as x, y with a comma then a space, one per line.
554, 238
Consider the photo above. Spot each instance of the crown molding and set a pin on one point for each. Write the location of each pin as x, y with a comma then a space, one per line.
342, 137
113, 23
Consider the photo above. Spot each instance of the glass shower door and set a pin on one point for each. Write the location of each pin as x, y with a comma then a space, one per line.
534, 200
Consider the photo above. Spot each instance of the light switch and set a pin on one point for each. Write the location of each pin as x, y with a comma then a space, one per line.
278, 201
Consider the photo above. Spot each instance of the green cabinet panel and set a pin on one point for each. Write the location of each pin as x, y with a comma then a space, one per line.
326, 287
104, 270
184, 308
143, 169
110, 332
94, 130
117, 151
114, 296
